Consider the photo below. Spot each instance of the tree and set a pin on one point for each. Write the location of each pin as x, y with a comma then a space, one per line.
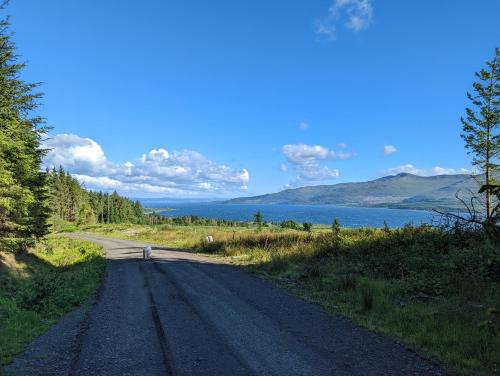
258, 219
23, 195
481, 128
386, 228
72, 203
307, 226
336, 226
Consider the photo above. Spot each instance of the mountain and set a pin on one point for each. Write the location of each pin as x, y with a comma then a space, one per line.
395, 191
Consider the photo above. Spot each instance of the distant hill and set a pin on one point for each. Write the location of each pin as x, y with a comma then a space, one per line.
396, 191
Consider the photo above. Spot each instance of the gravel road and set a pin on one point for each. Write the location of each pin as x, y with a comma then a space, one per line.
184, 314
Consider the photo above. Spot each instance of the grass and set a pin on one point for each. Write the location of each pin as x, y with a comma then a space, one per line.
38, 287
169, 235
437, 292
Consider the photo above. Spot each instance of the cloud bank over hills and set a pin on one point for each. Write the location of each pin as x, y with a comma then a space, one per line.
158, 171
188, 173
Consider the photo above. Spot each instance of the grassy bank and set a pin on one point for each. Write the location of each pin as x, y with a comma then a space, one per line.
40, 286
437, 292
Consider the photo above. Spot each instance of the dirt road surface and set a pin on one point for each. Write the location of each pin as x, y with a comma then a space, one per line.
184, 314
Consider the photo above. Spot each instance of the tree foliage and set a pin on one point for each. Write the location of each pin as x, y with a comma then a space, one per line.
23, 192
290, 224
336, 226
307, 226
72, 203
481, 127
258, 219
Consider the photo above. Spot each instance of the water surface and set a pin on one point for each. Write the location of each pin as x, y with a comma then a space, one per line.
318, 214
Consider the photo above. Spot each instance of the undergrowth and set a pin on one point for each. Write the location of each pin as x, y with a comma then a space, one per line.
39, 286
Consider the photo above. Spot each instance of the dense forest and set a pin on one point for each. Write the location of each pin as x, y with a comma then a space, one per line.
72, 203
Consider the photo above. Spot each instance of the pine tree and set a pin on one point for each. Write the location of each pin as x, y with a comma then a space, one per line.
258, 219
72, 203
23, 204
482, 124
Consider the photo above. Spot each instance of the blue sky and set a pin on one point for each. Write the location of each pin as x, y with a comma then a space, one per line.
229, 98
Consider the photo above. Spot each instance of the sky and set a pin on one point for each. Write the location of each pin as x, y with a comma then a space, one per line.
225, 98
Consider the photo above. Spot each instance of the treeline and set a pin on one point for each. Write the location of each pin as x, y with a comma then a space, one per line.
72, 203
193, 220
190, 220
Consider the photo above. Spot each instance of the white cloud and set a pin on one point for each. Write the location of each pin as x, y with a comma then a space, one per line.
356, 15
158, 171
316, 173
79, 154
431, 171
307, 162
308, 154
389, 149
100, 182
325, 27
304, 125
283, 167
342, 145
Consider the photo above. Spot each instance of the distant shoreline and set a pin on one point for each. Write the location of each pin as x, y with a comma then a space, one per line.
344, 206
320, 214
156, 210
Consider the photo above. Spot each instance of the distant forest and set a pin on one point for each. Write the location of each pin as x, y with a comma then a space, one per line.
71, 202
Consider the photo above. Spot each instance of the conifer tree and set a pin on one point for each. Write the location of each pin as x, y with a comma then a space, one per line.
481, 128
23, 194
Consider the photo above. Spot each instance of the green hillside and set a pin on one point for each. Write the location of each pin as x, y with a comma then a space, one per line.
398, 191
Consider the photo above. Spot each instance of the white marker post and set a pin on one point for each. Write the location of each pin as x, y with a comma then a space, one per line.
146, 252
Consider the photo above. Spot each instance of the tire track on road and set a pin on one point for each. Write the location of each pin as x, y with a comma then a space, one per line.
162, 337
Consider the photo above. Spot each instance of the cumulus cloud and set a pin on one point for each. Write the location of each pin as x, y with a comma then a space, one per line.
431, 171
81, 155
355, 15
308, 162
389, 149
158, 171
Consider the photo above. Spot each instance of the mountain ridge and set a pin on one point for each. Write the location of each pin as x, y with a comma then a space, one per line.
403, 190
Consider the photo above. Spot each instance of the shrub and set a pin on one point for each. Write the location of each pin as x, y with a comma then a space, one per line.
290, 224
307, 226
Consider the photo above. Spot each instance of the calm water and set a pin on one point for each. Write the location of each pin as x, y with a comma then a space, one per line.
319, 214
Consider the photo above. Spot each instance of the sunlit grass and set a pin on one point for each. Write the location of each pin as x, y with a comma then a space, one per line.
39, 287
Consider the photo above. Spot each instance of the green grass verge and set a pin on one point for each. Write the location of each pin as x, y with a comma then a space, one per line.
40, 286
437, 292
